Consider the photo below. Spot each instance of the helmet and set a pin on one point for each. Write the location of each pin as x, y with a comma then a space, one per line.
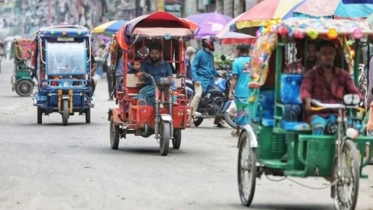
208, 42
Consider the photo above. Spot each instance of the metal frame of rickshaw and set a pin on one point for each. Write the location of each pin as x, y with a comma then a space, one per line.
52, 91
22, 72
133, 118
266, 144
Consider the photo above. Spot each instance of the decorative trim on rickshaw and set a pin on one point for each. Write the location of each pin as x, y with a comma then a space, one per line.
63, 30
166, 33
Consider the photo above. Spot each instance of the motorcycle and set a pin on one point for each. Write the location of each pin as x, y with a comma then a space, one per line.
215, 101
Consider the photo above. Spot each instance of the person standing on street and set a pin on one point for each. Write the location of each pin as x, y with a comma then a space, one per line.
204, 73
241, 78
190, 52
109, 74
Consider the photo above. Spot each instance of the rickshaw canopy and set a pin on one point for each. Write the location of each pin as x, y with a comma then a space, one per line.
331, 27
337, 30
156, 25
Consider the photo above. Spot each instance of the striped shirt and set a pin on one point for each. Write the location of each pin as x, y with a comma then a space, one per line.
316, 86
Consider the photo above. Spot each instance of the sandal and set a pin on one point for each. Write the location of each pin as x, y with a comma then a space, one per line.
220, 124
234, 133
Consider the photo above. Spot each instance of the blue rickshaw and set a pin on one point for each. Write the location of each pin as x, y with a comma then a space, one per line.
63, 66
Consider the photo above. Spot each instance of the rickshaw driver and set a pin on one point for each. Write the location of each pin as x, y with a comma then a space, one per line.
158, 68
327, 84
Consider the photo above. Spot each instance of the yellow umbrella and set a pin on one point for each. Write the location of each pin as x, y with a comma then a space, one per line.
101, 28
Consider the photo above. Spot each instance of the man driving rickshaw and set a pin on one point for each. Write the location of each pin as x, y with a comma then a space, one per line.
156, 67
327, 84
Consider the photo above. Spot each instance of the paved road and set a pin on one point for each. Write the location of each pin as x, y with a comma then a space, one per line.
50, 166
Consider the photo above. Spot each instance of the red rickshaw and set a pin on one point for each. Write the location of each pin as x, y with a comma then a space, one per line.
164, 119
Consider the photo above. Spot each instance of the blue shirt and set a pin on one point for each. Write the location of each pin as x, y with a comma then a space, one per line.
203, 68
119, 69
241, 68
189, 74
162, 69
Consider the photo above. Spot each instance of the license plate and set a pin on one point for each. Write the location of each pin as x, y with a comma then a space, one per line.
65, 39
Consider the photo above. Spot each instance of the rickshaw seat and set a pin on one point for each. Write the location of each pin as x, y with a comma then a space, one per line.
290, 95
267, 103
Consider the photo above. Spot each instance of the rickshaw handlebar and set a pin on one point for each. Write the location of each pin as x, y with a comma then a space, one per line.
322, 106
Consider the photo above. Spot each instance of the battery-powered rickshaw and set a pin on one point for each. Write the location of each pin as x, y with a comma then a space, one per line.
166, 117
272, 135
63, 56
22, 79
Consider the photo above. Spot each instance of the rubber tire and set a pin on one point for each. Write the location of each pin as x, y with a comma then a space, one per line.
19, 85
244, 137
87, 113
164, 142
227, 118
40, 115
176, 141
114, 135
197, 121
355, 169
65, 112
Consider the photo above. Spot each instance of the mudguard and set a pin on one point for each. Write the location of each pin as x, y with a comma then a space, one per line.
226, 106
251, 134
166, 117
115, 113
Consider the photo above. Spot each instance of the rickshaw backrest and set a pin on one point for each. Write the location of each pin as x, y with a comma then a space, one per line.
267, 103
290, 88
135, 82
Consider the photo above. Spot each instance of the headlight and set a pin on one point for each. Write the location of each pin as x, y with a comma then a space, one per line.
66, 84
352, 133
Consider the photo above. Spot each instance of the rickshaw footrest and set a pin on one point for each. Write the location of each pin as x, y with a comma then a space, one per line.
275, 164
295, 173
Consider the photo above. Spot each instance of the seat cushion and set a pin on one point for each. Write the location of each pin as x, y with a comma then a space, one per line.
267, 102
296, 126
290, 88
267, 122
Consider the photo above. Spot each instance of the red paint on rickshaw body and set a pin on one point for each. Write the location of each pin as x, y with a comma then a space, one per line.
133, 114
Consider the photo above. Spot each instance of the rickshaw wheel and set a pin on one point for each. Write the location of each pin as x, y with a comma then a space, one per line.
24, 88
40, 115
114, 135
246, 170
346, 189
65, 112
229, 119
197, 121
164, 143
87, 115
176, 141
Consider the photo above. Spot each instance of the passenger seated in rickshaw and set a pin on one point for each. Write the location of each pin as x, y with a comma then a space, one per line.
293, 112
135, 66
328, 84
158, 68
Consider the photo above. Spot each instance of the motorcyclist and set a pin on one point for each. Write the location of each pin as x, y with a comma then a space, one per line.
204, 73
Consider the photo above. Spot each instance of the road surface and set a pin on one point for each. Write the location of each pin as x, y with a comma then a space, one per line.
51, 166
